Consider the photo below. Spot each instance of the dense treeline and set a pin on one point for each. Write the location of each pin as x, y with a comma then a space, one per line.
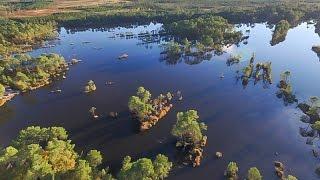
270, 14
23, 72
170, 11
47, 153
18, 37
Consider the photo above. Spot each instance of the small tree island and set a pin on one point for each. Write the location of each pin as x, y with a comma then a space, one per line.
90, 87
149, 111
260, 71
190, 140
285, 89
280, 32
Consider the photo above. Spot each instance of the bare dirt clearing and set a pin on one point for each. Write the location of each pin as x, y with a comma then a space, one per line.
60, 6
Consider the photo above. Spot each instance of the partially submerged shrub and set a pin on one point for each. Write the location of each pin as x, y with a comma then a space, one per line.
148, 111
285, 89
90, 87
188, 131
254, 174
232, 171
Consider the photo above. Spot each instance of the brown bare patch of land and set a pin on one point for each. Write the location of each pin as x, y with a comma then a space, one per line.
61, 6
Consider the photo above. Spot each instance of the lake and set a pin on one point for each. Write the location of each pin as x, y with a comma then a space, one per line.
249, 125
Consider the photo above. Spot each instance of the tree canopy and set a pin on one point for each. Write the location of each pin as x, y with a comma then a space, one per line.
188, 125
145, 168
47, 153
24, 72
208, 29
254, 174
140, 103
16, 36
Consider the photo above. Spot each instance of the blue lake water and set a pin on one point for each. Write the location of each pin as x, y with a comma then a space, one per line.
249, 125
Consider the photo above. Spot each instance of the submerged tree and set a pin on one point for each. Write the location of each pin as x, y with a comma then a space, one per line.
90, 87
285, 89
254, 174
232, 171
188, 126
173, 50
280, 32
149, 111
144, 168
188, 131
186, 45
209, 30
259, 71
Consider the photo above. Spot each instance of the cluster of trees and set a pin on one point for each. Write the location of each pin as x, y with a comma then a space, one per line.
47, 153
208, 30
280, 32
23, 72
18, 36
260, 71
140, 104
149, 111
145, 168
189, 133
252, 174
285, 89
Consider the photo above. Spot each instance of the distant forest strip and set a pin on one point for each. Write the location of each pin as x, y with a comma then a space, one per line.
167, 11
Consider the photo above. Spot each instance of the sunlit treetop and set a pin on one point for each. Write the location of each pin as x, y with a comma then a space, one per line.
188, 125
144, 168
